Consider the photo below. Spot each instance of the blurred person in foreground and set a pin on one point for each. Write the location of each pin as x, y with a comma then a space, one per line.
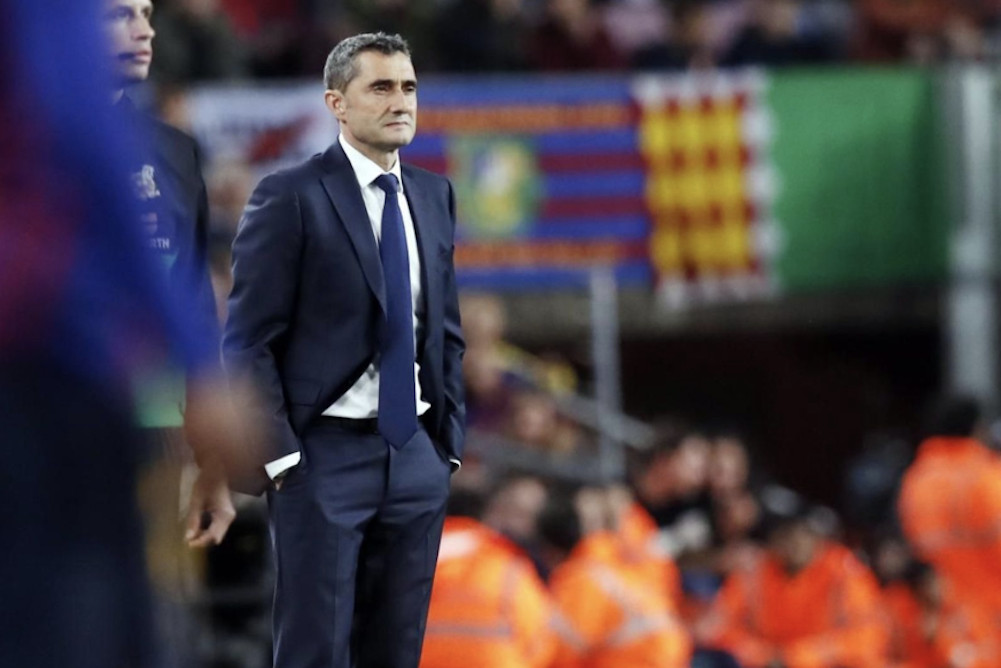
613, 602
79, 308
166, 180
950, 505
806, 602
489, 608
344, 310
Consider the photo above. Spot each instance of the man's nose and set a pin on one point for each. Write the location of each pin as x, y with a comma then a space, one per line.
143, 29
401, 102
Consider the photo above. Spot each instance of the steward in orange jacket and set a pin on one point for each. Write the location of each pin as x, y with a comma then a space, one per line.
639, 534
911, 645
929, 629
950, 508
804, 603
489, 608
611, 614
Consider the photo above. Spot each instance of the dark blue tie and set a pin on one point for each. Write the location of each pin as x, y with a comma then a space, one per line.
397, 400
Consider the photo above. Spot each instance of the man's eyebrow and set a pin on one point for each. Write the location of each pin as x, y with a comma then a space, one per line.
390, 82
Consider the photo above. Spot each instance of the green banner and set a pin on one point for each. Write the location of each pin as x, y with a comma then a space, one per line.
862, 194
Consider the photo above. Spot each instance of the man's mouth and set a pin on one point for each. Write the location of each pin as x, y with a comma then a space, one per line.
136, 56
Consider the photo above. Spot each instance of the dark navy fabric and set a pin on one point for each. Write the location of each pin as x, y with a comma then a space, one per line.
355, 529
397, 400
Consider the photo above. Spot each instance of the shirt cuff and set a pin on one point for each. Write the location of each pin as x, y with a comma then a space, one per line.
282, 464
455, 463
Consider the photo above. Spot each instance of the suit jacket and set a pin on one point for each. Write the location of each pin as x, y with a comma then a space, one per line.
308, 296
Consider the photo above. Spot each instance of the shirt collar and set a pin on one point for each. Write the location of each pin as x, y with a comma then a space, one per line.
366, 171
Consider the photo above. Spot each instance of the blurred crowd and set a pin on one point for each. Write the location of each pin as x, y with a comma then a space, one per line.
201, 40
697, 557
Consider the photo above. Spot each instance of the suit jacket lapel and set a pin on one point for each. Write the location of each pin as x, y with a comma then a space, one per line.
342, 188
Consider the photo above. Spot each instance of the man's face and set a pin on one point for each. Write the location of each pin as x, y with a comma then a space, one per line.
795, 546
130, 38
378, 108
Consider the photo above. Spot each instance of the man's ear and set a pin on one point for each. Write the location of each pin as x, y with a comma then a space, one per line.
334, 100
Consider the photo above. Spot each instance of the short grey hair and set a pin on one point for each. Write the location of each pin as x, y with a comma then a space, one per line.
340, 68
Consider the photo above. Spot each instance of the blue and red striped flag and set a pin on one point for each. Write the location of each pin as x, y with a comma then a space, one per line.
548, 174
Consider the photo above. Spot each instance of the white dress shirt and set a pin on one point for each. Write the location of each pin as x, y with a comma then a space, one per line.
361, 401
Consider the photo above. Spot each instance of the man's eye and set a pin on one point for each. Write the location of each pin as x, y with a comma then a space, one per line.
118, 14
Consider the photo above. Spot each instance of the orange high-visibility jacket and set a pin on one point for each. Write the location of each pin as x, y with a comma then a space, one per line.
610, 615
489, 608
911, 644
950, 509
824, 616
952, 635
968, 636
639, 534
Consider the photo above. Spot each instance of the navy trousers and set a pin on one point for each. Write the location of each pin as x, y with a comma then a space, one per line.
355, 530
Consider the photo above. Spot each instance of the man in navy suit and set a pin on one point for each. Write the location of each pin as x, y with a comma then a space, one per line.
345, 313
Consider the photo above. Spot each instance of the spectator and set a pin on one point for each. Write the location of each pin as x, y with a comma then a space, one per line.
775, 36
687, 521
651, 472
273, 32
729, 467
690, 43
805, 602
636, 25
533, 420
571, 37
513, 509
489, 393
872, 482
735, 507
196, 42
894, 30
413, 19
483, 36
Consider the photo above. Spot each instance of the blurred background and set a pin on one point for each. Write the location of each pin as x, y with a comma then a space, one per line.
712, 249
